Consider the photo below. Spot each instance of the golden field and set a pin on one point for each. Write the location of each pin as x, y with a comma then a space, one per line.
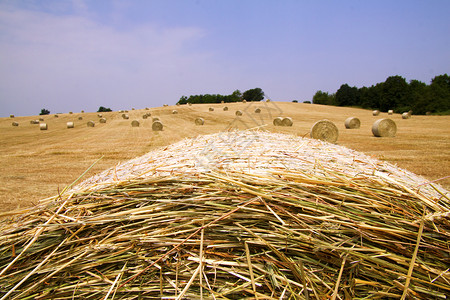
36, 163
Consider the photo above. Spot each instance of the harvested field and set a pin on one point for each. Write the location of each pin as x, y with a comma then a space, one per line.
37, 164
233, 215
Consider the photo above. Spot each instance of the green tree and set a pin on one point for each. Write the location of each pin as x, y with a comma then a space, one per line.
323, 98
103, 109
439, 90
395, 94
255, 94
44, 112
347, 96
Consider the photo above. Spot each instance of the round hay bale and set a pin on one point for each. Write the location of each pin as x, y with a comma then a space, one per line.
41, 119
82, 111
100, 115
406, 115
283, 212
15, 124
102, 120
178, 104
375, 113
190, 104
70, 112
165, 105
278, 121
244, 101
352, 123
258, 111
145, 116
384, 128
157, 126
199, 121
222, 102
125, 116
56, 116
174, 112
90, 124
132, 108
287, 122
225, 108
11, 116
34, 122
43, 126
80, 118
70, 125
325, 130
147, 108
211, 109
155, 119
238, 113
390, 112
135, 123
268, 100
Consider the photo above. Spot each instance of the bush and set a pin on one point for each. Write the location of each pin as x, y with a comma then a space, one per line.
44, 112
103, 109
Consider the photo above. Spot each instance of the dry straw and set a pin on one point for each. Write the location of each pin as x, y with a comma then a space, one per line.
199, 121
70, 125
157, 126
375, 113
236, 215
91, 124
102, 120
238, 113
15, 124
352, 123
278, 121
406, 115
384, 128
287, 121
43, 126
135, 123
325, 130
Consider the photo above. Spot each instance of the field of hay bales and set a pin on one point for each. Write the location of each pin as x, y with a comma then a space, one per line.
38, 163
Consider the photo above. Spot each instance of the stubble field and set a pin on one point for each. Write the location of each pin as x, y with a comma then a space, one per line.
37, 164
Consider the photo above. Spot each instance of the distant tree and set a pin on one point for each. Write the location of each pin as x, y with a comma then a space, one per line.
103, 109
439, 92
183, 100
395, 94
347, 96
295, 101
323, 98
44, 112
255, 94
308, 102
236, 96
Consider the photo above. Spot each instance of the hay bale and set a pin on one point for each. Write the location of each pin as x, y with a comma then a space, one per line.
258, 111
375, 113
56, 116
297, 217
135, 123
132, 108
199, 121
174, 112
287, 122
145, 116
147, 108
178, 104
278, 121
225, 108
268, 100
211, 109
165, 105
102, 120
406, 115
82, 111
390, 112
43, 126
352, 123
238, 113
41, 119
157, 126
15, 124
244, 101
190, 104
100, 115
80, 118
90, 124
70, 125
125, 116
34, 122
70, 112
384, 128
11, 116
325, 130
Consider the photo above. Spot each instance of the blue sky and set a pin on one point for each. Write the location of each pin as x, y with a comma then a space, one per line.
73, 55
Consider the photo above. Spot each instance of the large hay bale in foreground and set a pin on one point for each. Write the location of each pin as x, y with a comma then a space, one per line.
231, 216
325, 130
384, 128
157, 126
352, 123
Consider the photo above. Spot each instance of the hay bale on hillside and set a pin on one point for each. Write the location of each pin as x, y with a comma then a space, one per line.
82, 111
287, 121
11, 116
90, 124
125, 116
325, 130
375, 113
211, 109
178, 104
390, 112
70, 112
384, 128
100, 115
102, 120
145, 116
70, 125
189, 103
278, 121
406, 115
238, 113
43, 126
80, 118
199, 121
238, 215
157, 126
34, 122
41, 119
244, 101
258, 111
147, 108
352, 123
135, 123
225, 108
15, 124
174, 112
56, 116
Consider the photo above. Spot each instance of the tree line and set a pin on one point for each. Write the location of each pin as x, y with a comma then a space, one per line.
255, 94
395, 93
